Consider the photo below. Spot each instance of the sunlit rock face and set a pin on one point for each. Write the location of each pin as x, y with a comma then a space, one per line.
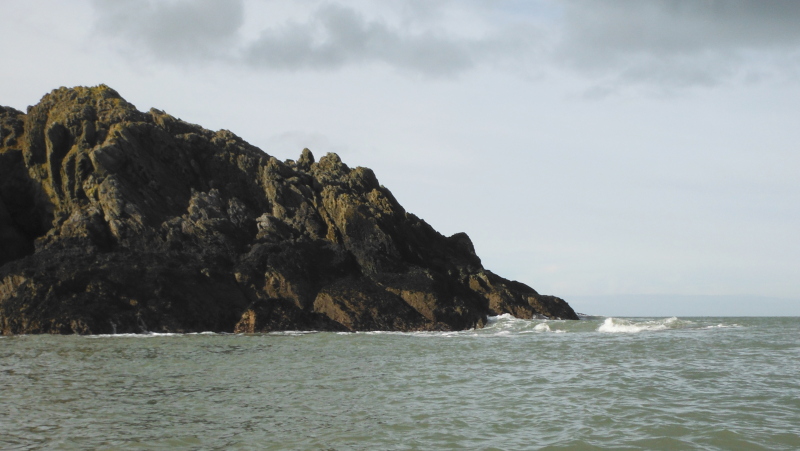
116, 220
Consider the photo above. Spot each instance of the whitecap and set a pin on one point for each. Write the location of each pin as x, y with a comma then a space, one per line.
142, 335
617, 325
722, 326
506, 320
542, 327
292, 333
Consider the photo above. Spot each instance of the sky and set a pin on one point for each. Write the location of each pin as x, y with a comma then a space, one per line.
631, 157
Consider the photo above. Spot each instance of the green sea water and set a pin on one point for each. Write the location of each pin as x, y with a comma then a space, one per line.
599, 383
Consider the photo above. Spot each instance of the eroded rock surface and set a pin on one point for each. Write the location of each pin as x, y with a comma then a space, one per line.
116, 220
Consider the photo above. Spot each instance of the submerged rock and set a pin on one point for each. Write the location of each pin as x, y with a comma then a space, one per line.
116, 220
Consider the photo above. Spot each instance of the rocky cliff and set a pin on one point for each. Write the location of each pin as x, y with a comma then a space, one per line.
116, 220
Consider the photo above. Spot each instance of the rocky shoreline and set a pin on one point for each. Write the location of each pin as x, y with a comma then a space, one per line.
117, 220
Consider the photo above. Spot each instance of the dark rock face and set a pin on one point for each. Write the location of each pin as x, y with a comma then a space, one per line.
115, 220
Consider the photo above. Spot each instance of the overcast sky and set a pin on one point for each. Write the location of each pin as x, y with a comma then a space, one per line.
595, 150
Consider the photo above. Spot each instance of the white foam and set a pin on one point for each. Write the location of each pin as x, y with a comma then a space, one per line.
542, 327
506, 320
142, 335
617, 325
722, 326
292, 333
493, 319
154, 334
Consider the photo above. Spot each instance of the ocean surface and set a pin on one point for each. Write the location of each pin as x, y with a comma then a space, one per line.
599, 383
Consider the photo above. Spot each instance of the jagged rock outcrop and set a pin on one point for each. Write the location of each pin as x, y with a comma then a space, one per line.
116, 220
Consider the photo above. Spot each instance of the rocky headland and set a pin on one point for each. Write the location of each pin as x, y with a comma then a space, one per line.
117, 220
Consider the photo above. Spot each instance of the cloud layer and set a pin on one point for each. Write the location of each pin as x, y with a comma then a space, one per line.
681, 42
335, 36
180, 31
329, 36
669, 43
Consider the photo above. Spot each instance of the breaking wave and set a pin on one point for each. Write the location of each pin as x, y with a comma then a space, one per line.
619, 325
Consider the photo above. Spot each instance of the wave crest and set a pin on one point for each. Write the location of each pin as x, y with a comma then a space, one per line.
619, 325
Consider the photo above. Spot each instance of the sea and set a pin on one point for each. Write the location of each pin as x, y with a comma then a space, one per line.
730, 383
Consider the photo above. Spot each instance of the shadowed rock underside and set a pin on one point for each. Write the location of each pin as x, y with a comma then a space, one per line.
116, 220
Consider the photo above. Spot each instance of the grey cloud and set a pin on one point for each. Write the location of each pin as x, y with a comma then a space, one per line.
612, 43
331, 37
336, 36
175, 30
679, 42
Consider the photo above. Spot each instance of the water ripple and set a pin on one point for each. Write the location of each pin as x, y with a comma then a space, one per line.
646, 383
